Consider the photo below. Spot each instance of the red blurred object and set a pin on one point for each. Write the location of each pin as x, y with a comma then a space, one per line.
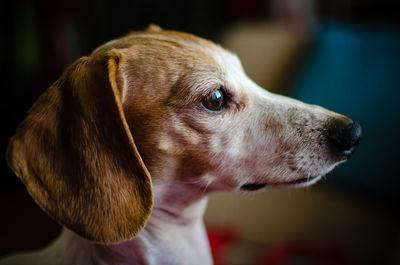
222, 239
313, 252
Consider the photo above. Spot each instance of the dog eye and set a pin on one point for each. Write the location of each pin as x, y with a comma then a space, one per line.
215, 101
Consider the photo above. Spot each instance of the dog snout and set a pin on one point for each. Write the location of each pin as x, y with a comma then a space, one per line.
344, 136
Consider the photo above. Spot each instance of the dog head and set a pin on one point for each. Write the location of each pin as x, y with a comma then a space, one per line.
200, 116
157, 106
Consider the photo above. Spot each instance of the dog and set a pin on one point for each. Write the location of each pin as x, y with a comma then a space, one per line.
125, 146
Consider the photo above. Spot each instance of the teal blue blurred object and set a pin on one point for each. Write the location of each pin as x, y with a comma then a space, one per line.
356, 71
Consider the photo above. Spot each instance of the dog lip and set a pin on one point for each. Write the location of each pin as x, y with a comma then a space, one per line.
257, 186
253, 186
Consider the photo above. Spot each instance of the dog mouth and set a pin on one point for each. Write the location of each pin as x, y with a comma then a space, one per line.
295, 183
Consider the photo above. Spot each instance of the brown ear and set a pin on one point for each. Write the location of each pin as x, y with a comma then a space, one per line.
77, 158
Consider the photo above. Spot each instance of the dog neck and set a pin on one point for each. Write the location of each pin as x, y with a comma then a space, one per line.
174, 233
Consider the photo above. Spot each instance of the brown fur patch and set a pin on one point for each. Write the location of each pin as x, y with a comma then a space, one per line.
77, 158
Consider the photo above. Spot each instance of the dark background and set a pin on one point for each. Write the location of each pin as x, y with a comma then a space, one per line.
40, 38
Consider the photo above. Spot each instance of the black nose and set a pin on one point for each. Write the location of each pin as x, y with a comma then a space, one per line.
344, 137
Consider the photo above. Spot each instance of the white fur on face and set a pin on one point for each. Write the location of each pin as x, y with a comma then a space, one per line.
258, 137
270, 139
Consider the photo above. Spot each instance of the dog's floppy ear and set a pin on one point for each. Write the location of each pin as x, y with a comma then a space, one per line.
77, 158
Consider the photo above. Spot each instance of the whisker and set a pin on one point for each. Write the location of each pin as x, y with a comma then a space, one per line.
201, 184
195, 181
278, 156
206, 186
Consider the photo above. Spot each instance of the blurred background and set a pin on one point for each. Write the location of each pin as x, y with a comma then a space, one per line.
341, 54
